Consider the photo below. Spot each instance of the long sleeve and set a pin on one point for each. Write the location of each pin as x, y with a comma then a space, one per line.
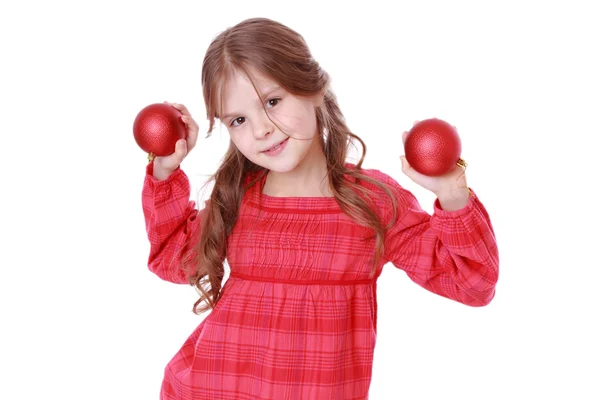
172, 223
452, 253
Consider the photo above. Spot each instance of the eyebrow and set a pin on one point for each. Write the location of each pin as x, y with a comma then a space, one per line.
264, 94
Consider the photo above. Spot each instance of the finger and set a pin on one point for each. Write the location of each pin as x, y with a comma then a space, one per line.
404, 136
416, 122
193, 129
191, 123
182, 109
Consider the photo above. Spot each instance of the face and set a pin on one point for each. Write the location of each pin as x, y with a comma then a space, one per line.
253, 133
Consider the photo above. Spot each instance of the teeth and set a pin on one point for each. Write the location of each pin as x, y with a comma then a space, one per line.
275, 147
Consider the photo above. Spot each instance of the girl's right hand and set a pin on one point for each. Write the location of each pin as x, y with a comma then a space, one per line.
165, 165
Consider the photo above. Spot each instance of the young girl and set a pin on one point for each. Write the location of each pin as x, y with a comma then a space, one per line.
305, 233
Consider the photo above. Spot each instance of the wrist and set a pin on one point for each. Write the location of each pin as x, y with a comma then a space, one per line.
455, 199
160, 173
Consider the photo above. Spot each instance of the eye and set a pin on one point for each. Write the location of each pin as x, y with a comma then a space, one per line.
276, 100
237, 119
240, 120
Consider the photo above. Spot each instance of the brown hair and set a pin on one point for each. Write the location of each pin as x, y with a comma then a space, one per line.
282, 55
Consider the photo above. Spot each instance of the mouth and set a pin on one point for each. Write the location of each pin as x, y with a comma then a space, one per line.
276, 146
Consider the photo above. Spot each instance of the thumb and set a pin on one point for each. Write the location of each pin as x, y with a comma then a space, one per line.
181, 147
405, 164
407, 169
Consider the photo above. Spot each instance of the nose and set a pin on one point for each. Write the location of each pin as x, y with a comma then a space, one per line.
263, 127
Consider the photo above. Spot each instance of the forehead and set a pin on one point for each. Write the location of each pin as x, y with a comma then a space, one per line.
239, 80
237, 90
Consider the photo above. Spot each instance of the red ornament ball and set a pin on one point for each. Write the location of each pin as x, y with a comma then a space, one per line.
157, 128
432, 147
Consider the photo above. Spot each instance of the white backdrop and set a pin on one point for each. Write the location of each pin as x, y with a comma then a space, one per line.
83, 317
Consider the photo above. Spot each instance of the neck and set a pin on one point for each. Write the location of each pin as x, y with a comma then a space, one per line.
308, 179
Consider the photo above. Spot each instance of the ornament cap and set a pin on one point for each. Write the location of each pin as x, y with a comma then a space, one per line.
461, 163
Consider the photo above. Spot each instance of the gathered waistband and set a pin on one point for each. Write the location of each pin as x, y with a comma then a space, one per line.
302, 282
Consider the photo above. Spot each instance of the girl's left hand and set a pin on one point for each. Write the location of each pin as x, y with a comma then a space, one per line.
447, 183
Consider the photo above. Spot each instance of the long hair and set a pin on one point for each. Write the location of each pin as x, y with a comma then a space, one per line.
282, 55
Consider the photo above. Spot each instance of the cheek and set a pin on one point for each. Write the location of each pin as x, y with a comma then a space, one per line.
237, 141
308, 123
244, 143
298, 119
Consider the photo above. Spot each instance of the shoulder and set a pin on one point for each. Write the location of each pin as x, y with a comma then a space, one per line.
380, 196
376, 175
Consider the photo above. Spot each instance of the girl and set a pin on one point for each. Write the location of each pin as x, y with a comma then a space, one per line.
305, 233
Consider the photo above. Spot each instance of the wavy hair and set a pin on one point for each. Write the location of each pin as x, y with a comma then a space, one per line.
282, 55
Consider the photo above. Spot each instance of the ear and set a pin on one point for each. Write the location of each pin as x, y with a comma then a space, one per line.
318, 99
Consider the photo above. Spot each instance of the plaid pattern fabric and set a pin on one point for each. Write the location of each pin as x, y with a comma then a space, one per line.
298, 316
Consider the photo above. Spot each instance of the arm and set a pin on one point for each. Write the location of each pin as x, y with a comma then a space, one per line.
172, 223
452, 253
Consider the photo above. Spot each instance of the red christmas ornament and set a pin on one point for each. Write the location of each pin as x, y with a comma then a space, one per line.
432, 147
157, 128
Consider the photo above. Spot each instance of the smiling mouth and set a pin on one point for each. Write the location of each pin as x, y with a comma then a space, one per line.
276, 146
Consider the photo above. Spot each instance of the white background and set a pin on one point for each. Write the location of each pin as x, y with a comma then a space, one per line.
83, 318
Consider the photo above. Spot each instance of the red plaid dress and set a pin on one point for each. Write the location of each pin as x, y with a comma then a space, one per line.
298, 316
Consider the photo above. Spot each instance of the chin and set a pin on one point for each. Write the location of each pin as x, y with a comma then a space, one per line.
280, 165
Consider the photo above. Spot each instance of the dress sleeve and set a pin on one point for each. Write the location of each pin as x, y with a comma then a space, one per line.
172, 223
452, 253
